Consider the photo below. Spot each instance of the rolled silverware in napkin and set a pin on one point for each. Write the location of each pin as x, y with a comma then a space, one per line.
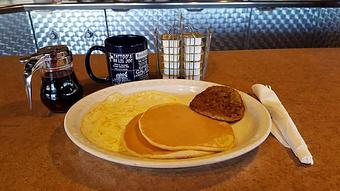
277, 134
283, 122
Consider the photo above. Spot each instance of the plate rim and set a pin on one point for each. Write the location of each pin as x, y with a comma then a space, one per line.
163, 164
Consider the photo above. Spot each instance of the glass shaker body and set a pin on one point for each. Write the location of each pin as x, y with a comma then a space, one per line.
60, 88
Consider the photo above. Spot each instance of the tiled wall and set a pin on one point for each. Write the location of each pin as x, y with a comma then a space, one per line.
16, 35
233, 28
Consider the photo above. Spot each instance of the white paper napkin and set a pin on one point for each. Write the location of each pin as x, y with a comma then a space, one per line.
277, 134
283, 122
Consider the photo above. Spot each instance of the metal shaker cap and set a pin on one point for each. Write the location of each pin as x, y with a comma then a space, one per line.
54, 52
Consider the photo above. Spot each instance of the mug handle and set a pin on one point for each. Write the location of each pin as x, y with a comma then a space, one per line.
88, 66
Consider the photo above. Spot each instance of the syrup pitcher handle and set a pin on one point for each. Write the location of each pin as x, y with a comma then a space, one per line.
31, 66
88, 66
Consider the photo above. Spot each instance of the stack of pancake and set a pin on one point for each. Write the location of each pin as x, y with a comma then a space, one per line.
175, 130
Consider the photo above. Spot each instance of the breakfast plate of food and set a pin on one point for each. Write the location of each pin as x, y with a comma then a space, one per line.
167, 123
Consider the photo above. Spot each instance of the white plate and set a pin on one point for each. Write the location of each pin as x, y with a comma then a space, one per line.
249, 132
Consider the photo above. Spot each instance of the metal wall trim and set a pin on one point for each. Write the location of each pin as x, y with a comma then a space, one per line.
32, 29
169, 5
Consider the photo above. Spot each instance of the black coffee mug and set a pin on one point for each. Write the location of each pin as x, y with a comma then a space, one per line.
126, 57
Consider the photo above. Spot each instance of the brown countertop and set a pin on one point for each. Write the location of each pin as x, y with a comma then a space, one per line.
36, 154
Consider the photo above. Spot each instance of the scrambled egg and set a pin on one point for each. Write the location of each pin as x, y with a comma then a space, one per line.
105, 122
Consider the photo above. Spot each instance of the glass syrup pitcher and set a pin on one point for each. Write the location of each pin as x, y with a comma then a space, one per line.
60, 88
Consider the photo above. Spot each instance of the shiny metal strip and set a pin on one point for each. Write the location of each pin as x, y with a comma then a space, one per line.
32, 29
170, 5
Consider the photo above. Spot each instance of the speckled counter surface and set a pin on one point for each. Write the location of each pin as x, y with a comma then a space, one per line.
36, 154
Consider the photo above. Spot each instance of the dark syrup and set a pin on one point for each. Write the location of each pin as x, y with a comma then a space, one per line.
60, 90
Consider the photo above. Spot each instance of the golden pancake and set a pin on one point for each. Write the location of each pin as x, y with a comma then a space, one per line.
176, 127
137, 145
105, 122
